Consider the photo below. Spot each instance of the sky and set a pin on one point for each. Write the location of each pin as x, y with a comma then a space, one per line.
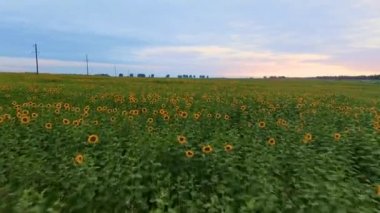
218, 38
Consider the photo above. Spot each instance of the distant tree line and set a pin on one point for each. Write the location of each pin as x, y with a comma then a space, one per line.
344, 77
275, 77
141, 75
192, 76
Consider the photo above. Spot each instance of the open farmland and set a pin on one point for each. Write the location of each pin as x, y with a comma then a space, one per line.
94, 144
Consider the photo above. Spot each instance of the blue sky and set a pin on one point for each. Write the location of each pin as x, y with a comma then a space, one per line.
235, 38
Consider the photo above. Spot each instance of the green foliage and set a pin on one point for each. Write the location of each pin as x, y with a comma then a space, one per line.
137, 163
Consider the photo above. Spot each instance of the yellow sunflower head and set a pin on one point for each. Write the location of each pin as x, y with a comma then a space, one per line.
93, 139
272, 141
197, 116
337, 136
184, 114
207, 149
66, 121
79, 159
189, 154
48, 126
166, 117
308, 137
34, 115
228, 147
181, 139
25, 119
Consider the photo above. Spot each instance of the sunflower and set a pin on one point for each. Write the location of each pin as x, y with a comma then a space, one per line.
79, 159
181, 139
112, 119
150, 120
197, 116
226, 117
144, 110
25, 119
92, 139
7, 117
48, 126
228, 147
76, 122
34, 115
337, 136
85, 114
184, 114
66, 121
189, 154
271, 141
206, 149
308, 137
166, 117
243, 107
150, 129
262, 124
95, 122
218, 115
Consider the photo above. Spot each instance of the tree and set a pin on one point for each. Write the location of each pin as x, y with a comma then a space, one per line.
121, 75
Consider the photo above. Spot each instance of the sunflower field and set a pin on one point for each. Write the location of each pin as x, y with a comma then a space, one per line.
98, 144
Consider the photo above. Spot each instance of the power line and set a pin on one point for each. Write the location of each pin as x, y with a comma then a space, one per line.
35, 50
87, 63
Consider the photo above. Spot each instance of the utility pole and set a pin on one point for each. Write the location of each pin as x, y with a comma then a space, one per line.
87, 63
35, 50
114, 68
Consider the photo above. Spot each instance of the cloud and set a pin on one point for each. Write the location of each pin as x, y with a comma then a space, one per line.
217, 38
365, 34
232, 62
